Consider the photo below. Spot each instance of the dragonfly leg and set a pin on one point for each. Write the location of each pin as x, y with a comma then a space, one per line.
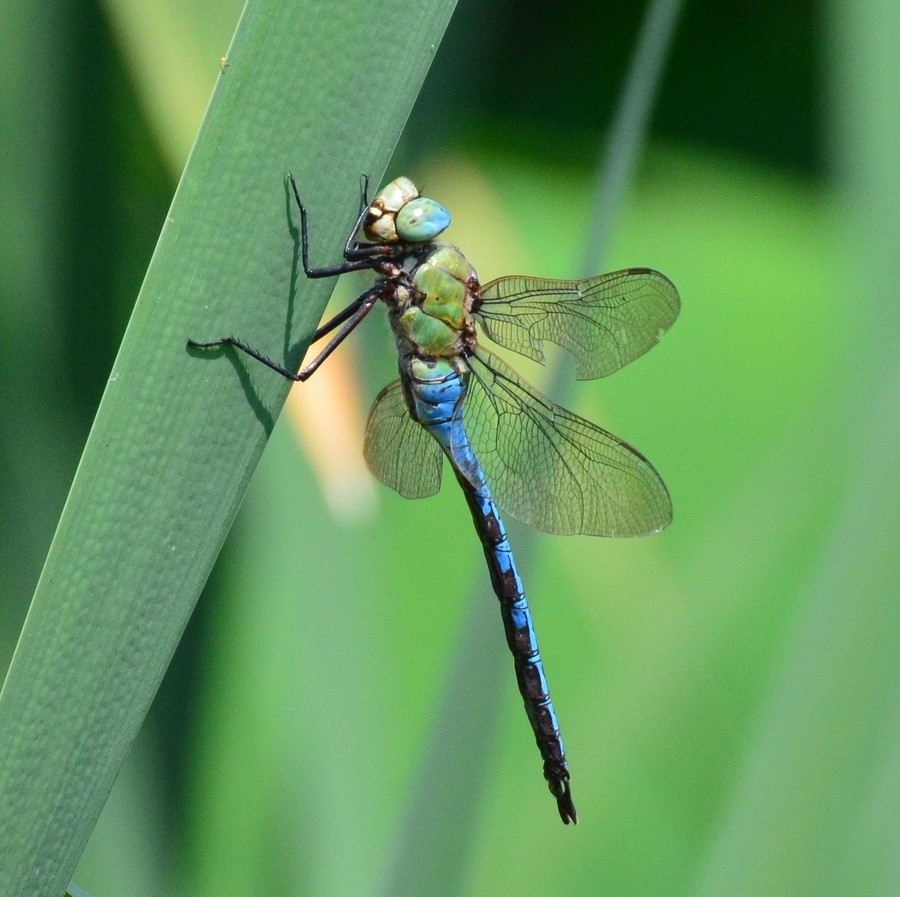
365, 196
248, 350
349, 318
338, 319
324, 330
358, 257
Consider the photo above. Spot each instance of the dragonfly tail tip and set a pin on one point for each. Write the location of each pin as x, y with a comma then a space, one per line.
559, 788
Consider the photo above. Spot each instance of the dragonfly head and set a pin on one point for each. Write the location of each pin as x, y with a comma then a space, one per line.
399, 213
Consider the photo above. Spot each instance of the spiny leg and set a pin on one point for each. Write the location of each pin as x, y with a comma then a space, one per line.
365, 196
249, 350
349, 318
359, 257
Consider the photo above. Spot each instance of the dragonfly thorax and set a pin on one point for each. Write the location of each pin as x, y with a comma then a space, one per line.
431, 309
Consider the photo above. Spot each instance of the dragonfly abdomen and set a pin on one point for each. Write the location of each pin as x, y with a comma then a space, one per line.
522, 640
435, 392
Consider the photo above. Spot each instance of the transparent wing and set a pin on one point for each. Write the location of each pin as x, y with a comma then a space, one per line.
554, 470
605, 321
399, 451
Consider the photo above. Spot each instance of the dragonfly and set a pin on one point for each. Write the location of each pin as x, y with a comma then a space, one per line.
507, 444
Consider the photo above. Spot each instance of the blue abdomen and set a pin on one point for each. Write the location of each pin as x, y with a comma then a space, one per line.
435, 390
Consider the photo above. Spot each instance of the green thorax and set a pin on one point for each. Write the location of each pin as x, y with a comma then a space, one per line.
434, 319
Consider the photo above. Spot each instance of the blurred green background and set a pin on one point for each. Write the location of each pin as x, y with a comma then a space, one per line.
728, 690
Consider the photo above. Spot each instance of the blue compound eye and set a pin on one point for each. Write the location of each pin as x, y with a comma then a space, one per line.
421, 219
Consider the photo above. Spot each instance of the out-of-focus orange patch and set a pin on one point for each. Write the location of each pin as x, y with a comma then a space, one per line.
329, 423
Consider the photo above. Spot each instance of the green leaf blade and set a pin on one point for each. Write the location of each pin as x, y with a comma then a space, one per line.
178, 432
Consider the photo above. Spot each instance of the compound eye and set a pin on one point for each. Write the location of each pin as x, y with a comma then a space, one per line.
421, 220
